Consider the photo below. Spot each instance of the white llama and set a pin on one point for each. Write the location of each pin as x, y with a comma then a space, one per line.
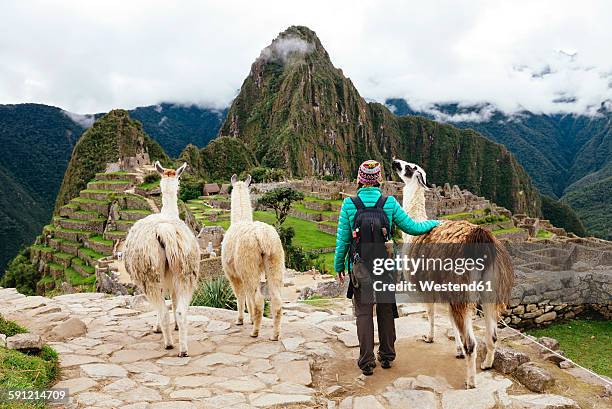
500, 271
249, 249
162, 256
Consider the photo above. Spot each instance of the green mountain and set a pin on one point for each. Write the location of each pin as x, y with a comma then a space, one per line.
569, 157
111, 138
38, 141
296, 111
174, 125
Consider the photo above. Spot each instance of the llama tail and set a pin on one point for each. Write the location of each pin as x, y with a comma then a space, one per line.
502, 276
182, 257
272, 252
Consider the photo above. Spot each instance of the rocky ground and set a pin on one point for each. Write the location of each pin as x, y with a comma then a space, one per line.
111, 358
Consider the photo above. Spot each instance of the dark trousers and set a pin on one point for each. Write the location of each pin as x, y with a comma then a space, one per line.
365, 331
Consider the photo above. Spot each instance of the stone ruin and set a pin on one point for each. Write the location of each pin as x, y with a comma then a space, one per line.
558, 279
130, 163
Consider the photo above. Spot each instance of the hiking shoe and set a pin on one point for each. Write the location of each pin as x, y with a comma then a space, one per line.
385, 364
368, 370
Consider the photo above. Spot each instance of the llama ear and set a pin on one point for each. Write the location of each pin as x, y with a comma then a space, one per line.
234, 179
180, 170
247, 181
159, 168
422, 180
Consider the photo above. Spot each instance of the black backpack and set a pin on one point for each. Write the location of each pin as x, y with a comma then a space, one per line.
371, 230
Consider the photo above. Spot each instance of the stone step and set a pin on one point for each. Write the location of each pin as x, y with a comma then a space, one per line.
95, 225
85, 215
92, 205
133, 215
96, 194
124, 225
71, 247
55, 270
114, 185
81, 267
131, 177
114, 234
71, 234
62, 258
89, 256
68, 210
99, 244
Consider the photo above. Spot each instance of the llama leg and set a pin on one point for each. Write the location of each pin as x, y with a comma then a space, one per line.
250, 309
490, 316
458, 346
256, 311
176, 326
182, 306
157, 302
275, 308
431, 312
463, 320
240, 301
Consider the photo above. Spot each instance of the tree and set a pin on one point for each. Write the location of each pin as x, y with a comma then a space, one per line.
280, 200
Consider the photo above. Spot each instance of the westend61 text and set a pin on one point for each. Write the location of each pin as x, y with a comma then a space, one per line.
432, 286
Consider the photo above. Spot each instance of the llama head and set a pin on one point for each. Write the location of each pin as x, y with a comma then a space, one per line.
411, 173
169, 183
239, 184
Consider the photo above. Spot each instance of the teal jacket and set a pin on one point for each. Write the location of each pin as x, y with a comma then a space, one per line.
369, 196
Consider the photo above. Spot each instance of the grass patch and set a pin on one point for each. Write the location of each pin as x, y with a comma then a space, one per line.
98, 191
101, 240
76, 279
63, 256
457, 216
543, 234
10, 328
91, 253
504, 231
44, 249
587, 342
19, 370
327, 263
318, 301
137, 211
83, 265
149, 185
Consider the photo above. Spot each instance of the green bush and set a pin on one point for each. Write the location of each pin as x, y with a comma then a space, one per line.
151, 177
190, 189
21, 274
216, 293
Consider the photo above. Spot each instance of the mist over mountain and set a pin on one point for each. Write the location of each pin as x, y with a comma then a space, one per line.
568, 156
297, 112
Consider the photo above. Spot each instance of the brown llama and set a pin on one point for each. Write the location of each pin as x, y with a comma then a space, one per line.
461, 306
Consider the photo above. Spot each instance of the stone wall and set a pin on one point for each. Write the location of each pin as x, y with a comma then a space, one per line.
560, 279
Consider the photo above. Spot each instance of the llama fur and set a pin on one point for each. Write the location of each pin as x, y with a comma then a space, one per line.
250, 249
162, 257
460, 308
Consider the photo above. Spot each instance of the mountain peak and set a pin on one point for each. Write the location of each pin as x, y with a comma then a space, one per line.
295, 44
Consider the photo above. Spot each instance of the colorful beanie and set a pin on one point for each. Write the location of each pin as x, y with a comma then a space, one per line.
369, 173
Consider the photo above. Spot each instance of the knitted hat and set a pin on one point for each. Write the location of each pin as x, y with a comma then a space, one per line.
369, 173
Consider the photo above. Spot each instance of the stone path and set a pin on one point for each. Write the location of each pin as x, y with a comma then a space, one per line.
116, 361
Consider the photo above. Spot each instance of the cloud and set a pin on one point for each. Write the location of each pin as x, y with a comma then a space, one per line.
546, 56
85, 121
282, 48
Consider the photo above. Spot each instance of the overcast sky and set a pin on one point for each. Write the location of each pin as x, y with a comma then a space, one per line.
91, 56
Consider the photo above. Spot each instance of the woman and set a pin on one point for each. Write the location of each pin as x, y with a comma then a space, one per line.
370, 196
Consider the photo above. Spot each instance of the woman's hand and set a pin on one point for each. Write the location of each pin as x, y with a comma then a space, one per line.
341, 276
